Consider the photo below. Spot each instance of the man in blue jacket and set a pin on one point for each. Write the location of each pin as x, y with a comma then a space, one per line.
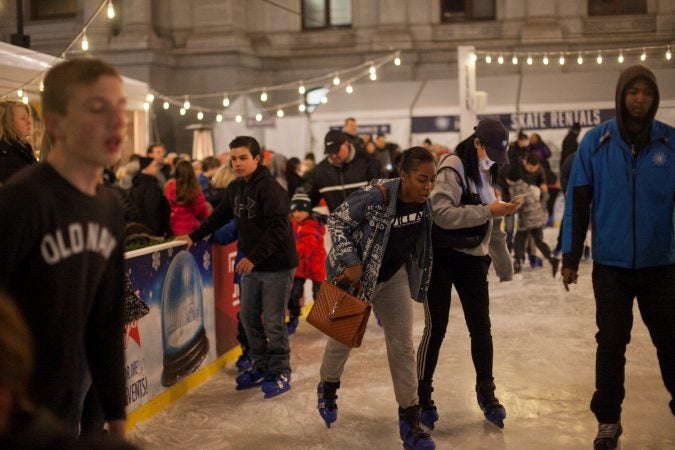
623, 176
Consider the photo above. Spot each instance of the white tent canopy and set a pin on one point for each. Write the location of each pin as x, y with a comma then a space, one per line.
18, 65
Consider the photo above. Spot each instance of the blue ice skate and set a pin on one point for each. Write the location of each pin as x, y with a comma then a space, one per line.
327, 394
243, 363
292, 325
276, 384
249, 379
489, 404
412, 435
429, 416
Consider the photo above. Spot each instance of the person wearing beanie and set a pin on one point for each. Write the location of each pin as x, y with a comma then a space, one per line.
465, 198
623, 176
309, 243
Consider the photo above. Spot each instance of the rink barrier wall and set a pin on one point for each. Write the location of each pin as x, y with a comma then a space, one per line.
181, 389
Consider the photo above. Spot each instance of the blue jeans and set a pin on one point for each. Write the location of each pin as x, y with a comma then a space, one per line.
263, 297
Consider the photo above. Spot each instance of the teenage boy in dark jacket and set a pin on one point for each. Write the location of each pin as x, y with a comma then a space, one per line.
62, 244
623, 176
260, 206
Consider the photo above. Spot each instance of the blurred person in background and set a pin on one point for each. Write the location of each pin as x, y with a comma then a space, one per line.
188, 206
15, 130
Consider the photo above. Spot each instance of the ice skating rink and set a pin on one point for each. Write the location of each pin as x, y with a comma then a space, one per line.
544, 372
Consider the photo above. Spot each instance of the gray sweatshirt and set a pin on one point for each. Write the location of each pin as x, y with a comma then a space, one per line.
445, 201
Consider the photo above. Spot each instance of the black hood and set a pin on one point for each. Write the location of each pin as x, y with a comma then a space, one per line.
627, 77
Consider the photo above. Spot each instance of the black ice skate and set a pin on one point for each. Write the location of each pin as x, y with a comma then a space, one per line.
327, 395
489, 404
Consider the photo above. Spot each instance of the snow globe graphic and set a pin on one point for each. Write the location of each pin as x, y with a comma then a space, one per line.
183, 334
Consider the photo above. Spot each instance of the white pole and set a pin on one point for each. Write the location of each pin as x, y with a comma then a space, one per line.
466, 73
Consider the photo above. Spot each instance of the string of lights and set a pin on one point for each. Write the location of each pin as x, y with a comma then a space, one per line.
580, 56
343, 78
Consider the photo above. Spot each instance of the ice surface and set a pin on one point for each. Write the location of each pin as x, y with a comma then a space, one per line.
543, 366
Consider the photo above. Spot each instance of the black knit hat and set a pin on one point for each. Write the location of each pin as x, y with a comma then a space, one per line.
301, 202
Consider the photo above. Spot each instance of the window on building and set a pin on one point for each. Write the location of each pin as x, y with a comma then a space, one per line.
616, 7
461, 10
326, 13
49, 9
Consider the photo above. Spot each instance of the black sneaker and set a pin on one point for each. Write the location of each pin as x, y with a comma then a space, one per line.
608, 436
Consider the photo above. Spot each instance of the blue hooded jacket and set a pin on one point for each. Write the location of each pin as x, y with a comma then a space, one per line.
630, 191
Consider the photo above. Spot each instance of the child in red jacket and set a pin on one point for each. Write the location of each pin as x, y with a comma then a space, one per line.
188, 206
309, 236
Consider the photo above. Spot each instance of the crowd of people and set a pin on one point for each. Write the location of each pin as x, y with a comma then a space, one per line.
404, 226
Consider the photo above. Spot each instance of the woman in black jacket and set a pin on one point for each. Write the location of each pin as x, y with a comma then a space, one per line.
15, 129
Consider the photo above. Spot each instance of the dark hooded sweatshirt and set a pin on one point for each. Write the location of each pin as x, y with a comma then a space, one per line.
261, 207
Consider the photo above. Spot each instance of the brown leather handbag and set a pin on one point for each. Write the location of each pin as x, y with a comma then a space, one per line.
339, 314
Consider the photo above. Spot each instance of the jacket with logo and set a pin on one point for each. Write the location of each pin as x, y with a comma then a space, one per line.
261, 207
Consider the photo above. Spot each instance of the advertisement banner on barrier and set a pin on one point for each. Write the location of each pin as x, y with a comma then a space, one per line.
176, 336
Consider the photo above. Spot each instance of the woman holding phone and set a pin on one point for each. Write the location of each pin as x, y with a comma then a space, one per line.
470, 173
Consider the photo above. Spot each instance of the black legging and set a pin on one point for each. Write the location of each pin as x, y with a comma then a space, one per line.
469, 276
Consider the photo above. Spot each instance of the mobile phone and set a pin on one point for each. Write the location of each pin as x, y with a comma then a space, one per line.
518, 199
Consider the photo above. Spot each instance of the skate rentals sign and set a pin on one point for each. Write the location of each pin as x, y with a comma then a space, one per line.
535, 120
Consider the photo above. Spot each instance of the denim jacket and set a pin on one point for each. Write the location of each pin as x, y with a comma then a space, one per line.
353, 227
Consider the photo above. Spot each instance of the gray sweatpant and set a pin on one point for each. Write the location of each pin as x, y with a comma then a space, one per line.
393, 304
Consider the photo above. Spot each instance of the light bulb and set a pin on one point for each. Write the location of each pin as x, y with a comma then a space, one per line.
643, 56
372, 69
336, 80
488, 59
182, 111
397, 61
280, 113
301, 89
474, 58
324, 99
580, 60
500, 60
200, 115
302, 107
19, 93
561, 60
668, 54
166, 105
226, 101
545, 60
529, 60
599, 58
258, 117
263, 97
238, 118
85, 41
25, 99
620, 58
111, 10
186, 105
349, 89
219, 117
42, 85
149, 98
373, 76
514, 60
146, 106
